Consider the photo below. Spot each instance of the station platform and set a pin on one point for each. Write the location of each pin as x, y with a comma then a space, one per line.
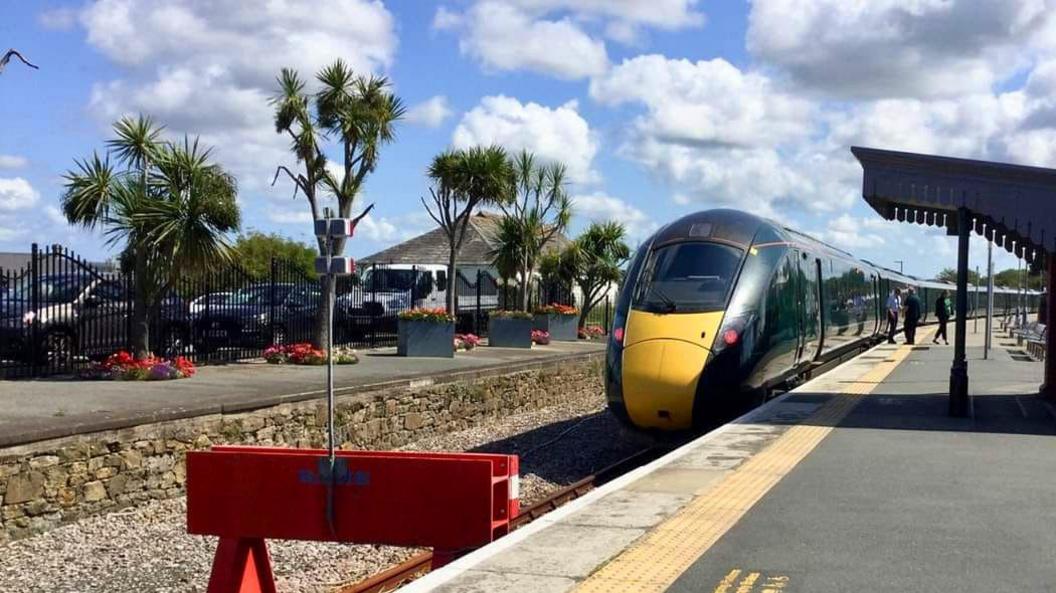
38, 409
855, 481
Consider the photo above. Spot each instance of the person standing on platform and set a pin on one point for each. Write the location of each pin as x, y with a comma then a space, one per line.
942, 311
894, 305
913, 310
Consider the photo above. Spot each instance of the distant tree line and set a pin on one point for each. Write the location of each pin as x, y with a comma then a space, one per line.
1009, 278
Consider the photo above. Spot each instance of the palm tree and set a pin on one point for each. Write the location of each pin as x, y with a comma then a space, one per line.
170, 209
539, 209
595, 261
357, 112
462, 181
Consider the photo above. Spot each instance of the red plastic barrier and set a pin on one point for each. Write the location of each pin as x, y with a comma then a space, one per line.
452, 502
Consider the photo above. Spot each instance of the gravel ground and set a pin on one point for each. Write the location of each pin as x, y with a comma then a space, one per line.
147, 549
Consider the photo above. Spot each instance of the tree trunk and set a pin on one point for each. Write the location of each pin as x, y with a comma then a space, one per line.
140, 330
526, 287
322, 314
452, 308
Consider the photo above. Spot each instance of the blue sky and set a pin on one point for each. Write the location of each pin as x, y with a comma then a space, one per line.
658, 107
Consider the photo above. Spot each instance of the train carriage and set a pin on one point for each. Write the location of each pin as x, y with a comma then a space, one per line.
719, 307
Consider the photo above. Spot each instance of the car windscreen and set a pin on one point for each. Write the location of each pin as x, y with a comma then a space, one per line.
253, 295
687, 278
53, 289
383, 279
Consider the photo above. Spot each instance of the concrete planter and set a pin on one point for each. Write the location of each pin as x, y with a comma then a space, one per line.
562, 328
425, 338
510, 332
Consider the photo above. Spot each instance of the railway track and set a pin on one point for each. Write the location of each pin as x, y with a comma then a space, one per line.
416, 566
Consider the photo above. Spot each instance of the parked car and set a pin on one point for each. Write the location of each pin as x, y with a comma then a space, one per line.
258, 315
81, 315
199, 304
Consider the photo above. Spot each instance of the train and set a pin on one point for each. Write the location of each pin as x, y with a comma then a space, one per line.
720, 308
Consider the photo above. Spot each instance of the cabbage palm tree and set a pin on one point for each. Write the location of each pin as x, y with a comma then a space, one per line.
358, 113
595, 260
462, 181
539, 210
170, 209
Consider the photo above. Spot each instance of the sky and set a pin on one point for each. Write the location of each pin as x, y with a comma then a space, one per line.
658, 108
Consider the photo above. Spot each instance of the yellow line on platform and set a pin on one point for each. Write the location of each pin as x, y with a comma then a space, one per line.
653, 563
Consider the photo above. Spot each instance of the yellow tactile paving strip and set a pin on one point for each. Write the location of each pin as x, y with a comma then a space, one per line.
654, 562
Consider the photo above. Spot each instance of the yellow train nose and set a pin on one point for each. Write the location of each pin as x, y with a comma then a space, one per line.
660, 382
663, 357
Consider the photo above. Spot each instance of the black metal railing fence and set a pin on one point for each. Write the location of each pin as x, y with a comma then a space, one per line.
59, 312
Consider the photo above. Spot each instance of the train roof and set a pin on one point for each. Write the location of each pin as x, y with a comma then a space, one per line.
739, 228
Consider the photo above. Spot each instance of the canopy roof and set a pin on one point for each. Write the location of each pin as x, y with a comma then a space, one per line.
1012, 205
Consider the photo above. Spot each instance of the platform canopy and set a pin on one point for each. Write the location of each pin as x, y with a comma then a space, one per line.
1012, 205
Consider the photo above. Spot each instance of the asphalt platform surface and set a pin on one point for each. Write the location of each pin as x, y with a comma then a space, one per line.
902, 497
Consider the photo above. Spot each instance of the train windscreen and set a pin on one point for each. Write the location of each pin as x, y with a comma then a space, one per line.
687, 278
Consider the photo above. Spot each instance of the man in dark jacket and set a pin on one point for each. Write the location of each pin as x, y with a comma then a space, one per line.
913, 310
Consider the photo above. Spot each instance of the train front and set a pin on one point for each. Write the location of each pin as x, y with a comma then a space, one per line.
670, 327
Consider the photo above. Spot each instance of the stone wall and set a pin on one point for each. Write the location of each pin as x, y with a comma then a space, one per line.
51, 482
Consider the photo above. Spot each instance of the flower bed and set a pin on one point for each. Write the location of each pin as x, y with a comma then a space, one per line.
504, 314
556, 309
122, 366
560, 321
591, 332
540, 337
306, 354
435, 315
466, 341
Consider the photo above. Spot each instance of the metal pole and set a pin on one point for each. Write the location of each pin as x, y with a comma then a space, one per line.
330, 348
1048, 388
959, 369
989, 298
975, 303
899, 262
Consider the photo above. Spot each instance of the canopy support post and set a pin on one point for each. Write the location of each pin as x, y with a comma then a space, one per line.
959, 370
1048, 388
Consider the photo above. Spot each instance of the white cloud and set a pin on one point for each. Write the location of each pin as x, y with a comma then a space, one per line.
10, 234
705, 103
850, 233
430, 113
560, 38
58, 19
16, 194
895, 48
601, 207
176, 57
9, 161
299, 216
503, 37
55, 216
559, 134
720, 135
662, 14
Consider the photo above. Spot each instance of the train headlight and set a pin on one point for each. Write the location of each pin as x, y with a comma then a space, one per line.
617, 334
